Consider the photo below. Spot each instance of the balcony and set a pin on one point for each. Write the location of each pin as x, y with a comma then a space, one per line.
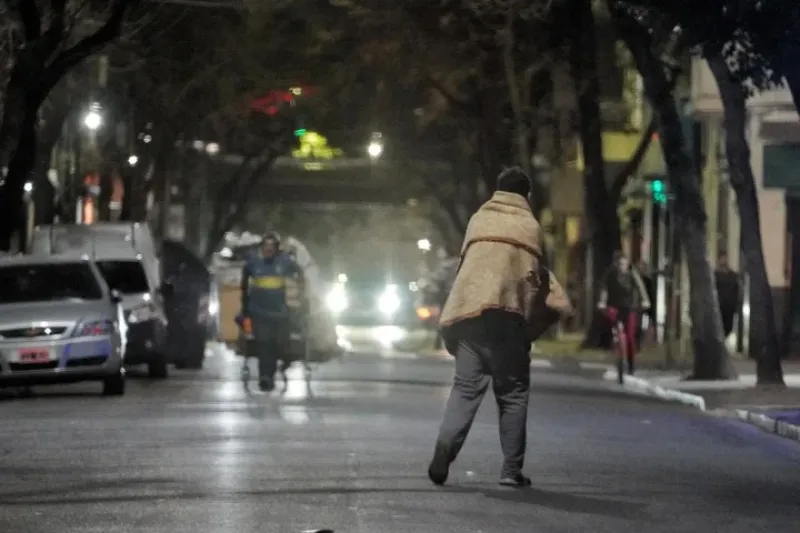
706, 100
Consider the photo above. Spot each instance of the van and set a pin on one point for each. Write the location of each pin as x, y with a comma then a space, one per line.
127, 256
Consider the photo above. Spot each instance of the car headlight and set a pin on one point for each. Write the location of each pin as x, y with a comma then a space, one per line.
389, 301
94, 329
336, 300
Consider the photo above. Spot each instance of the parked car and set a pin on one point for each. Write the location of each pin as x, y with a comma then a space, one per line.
192, 308
59, 323
129, 260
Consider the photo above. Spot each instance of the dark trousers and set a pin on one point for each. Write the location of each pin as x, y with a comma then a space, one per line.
271, 336
727, 315
502, 358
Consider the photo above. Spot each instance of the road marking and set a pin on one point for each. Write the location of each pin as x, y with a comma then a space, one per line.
541, 363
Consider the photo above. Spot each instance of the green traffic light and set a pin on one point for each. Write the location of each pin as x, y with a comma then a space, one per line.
300, 132
657, 186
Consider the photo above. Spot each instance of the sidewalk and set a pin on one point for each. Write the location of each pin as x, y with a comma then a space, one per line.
773, 409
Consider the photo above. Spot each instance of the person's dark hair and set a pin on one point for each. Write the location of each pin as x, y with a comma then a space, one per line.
514, 180
272, 236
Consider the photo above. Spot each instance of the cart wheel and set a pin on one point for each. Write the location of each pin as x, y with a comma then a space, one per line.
245, 373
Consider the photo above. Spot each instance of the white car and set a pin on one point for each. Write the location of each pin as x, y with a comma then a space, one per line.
59, 323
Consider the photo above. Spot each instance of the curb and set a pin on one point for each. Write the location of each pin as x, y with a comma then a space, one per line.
769, 424
759, 420
644, 387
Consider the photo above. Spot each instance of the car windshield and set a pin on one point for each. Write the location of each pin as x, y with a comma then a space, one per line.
48, 283
127, 277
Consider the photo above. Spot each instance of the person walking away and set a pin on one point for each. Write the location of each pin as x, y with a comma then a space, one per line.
484, 326
622, 295
728, 292
264, 303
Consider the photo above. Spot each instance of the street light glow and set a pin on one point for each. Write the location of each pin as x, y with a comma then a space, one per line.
212, 148
375, 149
28, 186
424, 245
93, 120
132, 160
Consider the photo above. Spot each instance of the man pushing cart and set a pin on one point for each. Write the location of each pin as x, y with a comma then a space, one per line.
276, 323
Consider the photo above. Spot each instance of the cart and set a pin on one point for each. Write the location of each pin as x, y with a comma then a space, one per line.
299, 348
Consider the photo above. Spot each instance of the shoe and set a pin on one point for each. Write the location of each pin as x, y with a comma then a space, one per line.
266, 385
439, 468
517, 480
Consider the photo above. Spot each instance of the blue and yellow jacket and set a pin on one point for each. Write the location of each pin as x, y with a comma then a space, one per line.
264, 285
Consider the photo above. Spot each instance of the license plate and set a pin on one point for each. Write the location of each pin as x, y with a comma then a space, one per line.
33, 355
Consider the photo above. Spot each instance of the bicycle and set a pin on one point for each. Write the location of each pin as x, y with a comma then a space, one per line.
619, 342
620, 347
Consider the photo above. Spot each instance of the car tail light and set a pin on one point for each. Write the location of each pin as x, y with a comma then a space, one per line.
424, 313
94, 329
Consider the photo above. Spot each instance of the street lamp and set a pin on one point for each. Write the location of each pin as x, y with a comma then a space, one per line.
424, 245
132, 160
375, 149
93, 120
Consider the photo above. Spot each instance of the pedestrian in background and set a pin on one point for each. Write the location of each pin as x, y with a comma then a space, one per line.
486, 326
728, 292
624, 297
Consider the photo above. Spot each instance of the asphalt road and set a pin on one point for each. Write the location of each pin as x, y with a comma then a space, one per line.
195, 454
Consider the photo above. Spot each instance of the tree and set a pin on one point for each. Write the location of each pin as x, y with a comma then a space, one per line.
760, 38
711, 359
198, 94
599, 209
476, 94
745, 46
46, 53
763, 335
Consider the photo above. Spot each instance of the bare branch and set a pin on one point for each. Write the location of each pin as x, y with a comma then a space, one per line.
87, 46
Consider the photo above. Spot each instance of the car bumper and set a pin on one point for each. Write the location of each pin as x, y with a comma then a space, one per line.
69, 360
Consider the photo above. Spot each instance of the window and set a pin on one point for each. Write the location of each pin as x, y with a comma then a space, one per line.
48, 283
127, 277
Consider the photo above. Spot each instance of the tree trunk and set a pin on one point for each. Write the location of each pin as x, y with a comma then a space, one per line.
764, 344
792, 305
711, 359
11, 195
599, 210
791, 56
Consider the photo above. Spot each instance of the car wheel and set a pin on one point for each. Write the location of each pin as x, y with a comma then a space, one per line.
158, 369
114, 385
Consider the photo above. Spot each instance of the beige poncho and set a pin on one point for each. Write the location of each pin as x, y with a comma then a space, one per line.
499, 261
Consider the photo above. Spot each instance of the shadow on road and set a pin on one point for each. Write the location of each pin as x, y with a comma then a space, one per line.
70, 495
737, 499
573, 503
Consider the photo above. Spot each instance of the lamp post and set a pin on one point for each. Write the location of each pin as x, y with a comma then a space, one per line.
86, 209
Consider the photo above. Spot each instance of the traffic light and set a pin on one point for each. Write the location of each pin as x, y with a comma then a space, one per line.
300, 132
659, 191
